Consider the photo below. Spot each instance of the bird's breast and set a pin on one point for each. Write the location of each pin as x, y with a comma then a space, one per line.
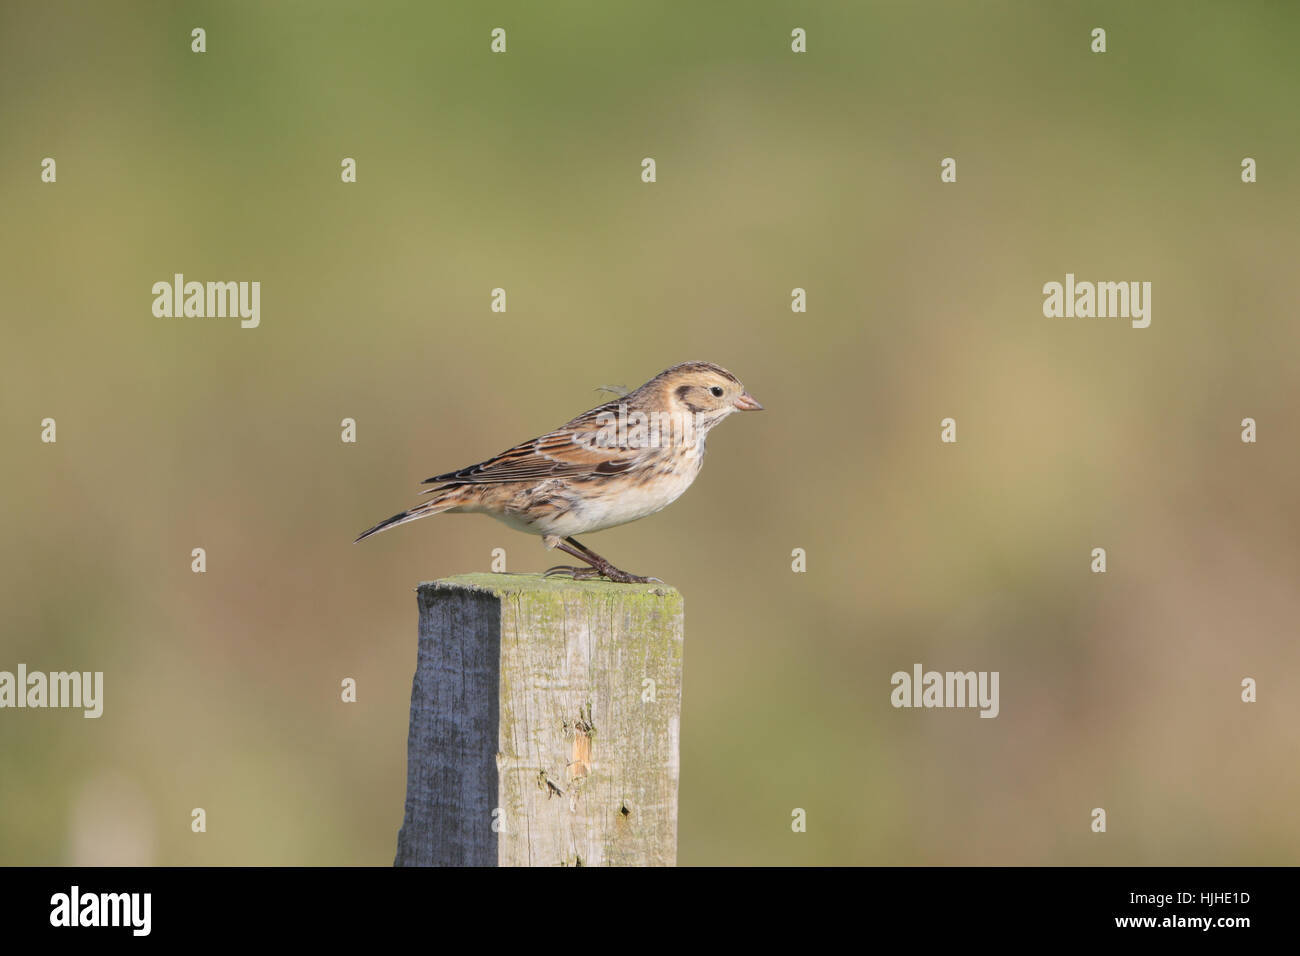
639, 496
593, 504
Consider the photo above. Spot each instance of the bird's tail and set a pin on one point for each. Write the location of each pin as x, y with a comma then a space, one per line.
443, 502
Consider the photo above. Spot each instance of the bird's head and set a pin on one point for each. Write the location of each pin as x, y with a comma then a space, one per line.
703, 390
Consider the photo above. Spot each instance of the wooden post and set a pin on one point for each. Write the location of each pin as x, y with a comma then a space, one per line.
545, 719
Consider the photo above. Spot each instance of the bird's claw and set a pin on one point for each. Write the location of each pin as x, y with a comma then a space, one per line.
623, 577
610, 573
564, 570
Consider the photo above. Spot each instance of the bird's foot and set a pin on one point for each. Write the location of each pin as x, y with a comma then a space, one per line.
607, 571
624, 577
568, 571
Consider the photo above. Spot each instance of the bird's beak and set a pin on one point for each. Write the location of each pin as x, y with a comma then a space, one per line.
747, 403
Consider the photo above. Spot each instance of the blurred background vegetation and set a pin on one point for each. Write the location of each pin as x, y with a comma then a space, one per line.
774, 171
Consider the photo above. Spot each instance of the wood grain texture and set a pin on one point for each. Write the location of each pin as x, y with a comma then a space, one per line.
535, 737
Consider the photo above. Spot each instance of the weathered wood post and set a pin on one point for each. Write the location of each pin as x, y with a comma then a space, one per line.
545, 719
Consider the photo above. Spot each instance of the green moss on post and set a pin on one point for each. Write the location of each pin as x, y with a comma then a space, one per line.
545, 719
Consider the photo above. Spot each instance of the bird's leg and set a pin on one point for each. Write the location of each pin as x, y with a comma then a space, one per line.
578, 574
574, 547
600, 568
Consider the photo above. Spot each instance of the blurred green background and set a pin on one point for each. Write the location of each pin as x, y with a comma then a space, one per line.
775, 170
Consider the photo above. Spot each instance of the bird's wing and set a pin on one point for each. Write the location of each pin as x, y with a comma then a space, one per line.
585, 446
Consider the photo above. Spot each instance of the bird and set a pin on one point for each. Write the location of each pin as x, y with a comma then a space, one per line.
620, 461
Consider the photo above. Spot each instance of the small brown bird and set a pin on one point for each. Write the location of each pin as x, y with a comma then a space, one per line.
613, 464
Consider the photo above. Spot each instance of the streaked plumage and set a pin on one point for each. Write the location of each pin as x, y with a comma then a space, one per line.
587, 475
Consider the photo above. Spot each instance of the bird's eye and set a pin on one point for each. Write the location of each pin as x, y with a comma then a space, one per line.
717, 391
